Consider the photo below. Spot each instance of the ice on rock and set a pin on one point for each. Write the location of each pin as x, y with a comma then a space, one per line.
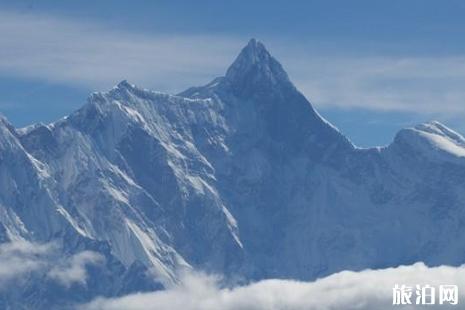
433, 140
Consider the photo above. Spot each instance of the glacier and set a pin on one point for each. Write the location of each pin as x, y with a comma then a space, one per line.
240, 177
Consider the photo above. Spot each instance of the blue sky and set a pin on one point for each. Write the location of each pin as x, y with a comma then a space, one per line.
370, 67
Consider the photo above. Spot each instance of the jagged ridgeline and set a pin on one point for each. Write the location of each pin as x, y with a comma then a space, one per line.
240, 177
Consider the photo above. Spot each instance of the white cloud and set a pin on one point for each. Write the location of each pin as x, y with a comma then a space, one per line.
429, 85
20, 258
98, 56
84, 53
364, 290
73, 270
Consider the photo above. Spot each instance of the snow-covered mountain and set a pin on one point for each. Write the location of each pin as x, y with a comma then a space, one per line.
240, 177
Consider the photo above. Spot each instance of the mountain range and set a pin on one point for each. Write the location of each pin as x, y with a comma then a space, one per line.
240, 177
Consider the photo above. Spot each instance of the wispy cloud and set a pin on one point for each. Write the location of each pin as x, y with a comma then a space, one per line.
364, 290
73, 270
67, 51
98, 56
429, 85
20, 258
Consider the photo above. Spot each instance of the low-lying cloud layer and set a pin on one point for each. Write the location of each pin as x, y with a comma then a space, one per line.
364, 290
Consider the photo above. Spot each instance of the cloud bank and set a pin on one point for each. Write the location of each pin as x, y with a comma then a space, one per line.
364, 290
347, 290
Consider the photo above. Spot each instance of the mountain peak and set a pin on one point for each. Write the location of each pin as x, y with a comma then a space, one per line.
4, 123
434, 136
124, 84
255, 69
255, 52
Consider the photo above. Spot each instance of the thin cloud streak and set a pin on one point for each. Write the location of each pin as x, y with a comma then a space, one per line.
96, 56
426, 85
70, 52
